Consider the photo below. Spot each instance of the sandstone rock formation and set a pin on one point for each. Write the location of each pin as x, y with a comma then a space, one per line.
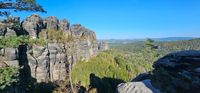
50, 62
33, 25
175, 73
51, 23
64, 25
103, 46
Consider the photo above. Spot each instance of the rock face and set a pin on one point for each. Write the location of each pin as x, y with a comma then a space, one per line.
175, 73
51, 22
64, 25
33, 25
50, 62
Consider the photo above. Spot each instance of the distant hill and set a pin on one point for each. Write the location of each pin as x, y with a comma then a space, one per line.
173, 38
156, 39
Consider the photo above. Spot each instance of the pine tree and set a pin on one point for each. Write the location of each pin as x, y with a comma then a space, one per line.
19, 5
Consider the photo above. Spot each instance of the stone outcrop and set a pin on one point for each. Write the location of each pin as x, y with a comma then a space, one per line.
64, 25
103, 46
51, 23
50, 62
10, 27
174, 73
33, 25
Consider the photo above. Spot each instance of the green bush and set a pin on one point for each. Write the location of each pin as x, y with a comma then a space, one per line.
8, 75
103, 65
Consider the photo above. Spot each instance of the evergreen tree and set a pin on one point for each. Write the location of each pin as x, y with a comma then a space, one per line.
19, 5
149, 43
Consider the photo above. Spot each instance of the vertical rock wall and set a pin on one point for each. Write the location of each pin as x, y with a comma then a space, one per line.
51, 61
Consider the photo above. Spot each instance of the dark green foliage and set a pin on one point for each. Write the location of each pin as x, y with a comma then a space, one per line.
8, 75
19, 5
11, 41
149, 43
15, 41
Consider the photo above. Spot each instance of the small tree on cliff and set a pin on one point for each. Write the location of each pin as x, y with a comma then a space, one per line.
149, 43
6, 6
150, 50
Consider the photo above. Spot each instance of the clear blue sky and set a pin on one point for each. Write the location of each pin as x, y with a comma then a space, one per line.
129, 19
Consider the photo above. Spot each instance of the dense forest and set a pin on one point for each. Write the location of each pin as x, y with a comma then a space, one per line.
126, 60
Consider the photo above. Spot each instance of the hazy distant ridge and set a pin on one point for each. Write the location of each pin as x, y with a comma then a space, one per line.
156, 39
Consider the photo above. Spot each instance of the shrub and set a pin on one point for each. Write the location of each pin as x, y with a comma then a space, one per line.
8, 75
